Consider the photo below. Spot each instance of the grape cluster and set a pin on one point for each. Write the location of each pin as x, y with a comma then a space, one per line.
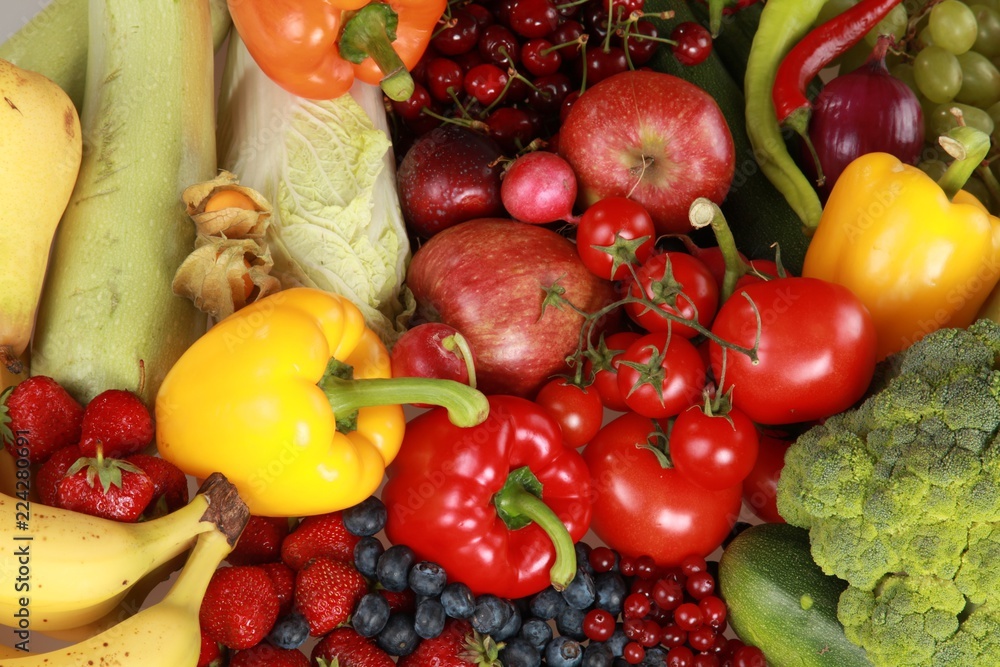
513, 68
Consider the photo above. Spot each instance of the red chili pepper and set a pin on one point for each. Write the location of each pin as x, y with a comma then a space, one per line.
498, 505
812, 53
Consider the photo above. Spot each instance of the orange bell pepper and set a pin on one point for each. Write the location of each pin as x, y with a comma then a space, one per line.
316, 48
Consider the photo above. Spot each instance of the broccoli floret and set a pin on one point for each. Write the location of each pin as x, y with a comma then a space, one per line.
901, 497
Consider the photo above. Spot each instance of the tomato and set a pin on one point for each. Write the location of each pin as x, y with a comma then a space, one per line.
660, 375
760, 486
642, 507
681, 285
613, 234
604, 366
714, 451
816, 354
578, 410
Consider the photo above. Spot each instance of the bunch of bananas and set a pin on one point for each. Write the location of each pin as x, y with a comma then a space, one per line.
82, 578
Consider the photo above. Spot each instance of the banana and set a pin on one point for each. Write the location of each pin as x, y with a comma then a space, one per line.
166, 634
66, 569
41, 148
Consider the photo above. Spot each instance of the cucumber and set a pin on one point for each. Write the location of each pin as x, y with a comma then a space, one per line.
780, 601
757, 213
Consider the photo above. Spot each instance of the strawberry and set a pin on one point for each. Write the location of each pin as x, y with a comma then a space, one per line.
212, 653
320, 535
326, 592
283, 579
119, 420
108, 488
458, 645
266, 655
260, 541
170, 484
400, 601
51, 472
43, 413
344, 647
239, 606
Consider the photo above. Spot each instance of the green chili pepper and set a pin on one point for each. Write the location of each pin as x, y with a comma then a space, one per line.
782, 24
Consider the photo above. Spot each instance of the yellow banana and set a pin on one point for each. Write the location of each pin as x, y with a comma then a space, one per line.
166, 634
66, 569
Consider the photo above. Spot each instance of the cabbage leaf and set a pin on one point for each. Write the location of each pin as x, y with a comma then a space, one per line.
328, 169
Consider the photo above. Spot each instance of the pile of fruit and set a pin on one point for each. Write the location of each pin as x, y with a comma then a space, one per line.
500, 332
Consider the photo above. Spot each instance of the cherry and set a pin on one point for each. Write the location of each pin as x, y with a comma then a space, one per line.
485, 83
640, 47
539, 58
567, 104
499, 46
549, 92
459, 35
603, 63
694, 43
483, 16
533, 18
445, 78
596, 21
412, 107
511, 127
567, 37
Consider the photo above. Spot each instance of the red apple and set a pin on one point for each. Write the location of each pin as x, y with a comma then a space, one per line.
653, 137
486, 278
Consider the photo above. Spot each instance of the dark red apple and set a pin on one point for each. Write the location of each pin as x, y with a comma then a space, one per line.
652, 137
486, 278
449, 175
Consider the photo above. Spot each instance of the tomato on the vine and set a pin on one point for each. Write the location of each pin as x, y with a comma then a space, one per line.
761, 485
681, 285
642, 506
578, 410
661, 374
715, 451
603, 363
816, 353
613, 234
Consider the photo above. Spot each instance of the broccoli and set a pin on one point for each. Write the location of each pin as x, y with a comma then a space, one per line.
901, 497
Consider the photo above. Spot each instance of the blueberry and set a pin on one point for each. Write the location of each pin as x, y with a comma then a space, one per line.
583, 557
511, 627
597, 655
518, 652
370, 615
427, 578
616, 642
610, 591
366, 518
429, 619
580, 593
289, 631
458, 600
491, 613
366, 554
563, 652
655, 656
536, 632
398, 636
393, 568
547, 603
569, 622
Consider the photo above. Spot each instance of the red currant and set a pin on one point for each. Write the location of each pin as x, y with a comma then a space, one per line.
633, 653
680, 656
645, 567
650, 636
713, 610
749, 656
699, 585
706, 660
626, 565
672, 635
636, 605
668, 593
634, 628
694, 43
702, 639
688, 616
602, 559
598, 625
692, 564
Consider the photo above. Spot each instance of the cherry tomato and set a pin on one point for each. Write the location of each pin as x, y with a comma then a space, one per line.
642, 506
760, 486
713, 451
612, 234
682, 285
578, 410
605, 368
660, 375
816, 354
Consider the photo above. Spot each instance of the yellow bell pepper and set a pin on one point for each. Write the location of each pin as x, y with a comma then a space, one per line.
291, 399
920, 254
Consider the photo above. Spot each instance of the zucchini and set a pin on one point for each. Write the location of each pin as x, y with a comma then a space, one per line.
757, 213
108, 318
780, 601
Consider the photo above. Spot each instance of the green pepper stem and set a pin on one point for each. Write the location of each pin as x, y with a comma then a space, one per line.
516, 503
705, 212
369, 33
969, 147
466, 406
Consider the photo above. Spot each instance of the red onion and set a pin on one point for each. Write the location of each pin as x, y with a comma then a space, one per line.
865, 111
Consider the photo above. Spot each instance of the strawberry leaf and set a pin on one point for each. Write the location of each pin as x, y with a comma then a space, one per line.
6, 434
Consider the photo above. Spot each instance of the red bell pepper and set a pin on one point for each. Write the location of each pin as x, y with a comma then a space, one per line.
498, 505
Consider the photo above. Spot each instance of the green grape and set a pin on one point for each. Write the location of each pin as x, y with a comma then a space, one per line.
941, 119
834, 8
933, 168
988, 37
938, 74
994, 112
980, 81
893, 24
953, 26
925, 37
854, 57
977, 188
904, 72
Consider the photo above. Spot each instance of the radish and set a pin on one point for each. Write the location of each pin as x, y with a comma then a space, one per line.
539, 188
